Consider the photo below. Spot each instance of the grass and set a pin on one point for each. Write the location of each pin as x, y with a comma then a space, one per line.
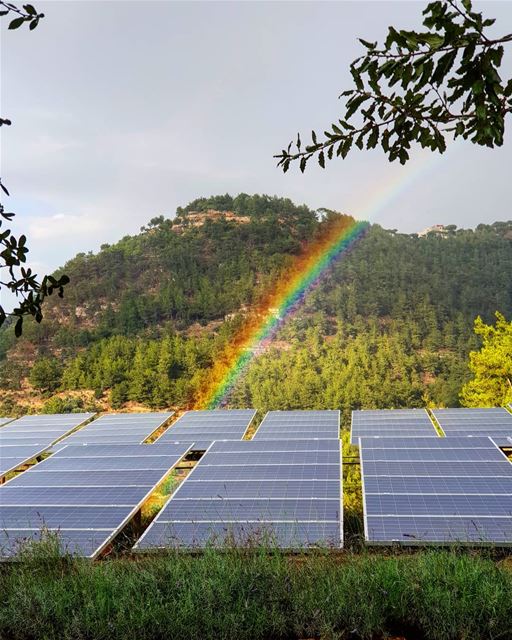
257, 594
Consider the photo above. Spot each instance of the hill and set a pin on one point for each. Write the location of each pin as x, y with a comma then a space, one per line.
143, 319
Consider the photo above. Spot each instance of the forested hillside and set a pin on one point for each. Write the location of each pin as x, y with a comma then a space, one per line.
390, 325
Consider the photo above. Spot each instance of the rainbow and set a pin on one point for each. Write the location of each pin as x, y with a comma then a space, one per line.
337, 237
276, 307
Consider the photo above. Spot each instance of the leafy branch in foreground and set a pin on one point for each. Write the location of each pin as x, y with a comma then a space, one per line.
28, 14
20, 280
420, 87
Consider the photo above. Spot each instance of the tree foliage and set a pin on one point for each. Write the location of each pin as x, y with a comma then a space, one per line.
19, 279
491, 366
389, 325
45, 374
420, 87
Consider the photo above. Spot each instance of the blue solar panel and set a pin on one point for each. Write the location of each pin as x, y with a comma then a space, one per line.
299, 425
391, 422
492, 422
119, 428
14, 456
39, 431
436, 494
203, 427
71, 491
280, 492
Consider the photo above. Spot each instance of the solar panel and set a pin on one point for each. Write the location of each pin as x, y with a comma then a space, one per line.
436, 491
14, 456
85, 500
246, 493
203, 427
495, 421
405, 423
119, 428
276, 425
28, 437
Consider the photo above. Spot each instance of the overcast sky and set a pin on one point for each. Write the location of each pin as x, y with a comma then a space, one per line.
125, 110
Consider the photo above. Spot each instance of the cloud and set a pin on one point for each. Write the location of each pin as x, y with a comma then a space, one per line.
62, 226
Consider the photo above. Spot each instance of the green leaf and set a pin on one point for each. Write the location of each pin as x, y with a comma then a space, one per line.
368, 45
16, 23
18, 327
30, 9
434, 40
321, 159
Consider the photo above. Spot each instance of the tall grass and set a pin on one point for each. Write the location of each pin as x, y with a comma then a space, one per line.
257, 594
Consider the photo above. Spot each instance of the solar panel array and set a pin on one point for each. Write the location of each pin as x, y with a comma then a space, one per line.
4, 421
391, 422
120, 428
436, 490
475, 422
28, 437
283, 492
203, 427
299, 424
85, 494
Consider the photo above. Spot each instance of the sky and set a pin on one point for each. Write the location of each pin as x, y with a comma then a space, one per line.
126, 110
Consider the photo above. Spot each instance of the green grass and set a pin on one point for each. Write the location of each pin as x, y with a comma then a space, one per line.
257, 594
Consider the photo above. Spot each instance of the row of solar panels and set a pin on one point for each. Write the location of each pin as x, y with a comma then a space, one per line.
494, 422
29, 437
285, 492
86, 493
265, 488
